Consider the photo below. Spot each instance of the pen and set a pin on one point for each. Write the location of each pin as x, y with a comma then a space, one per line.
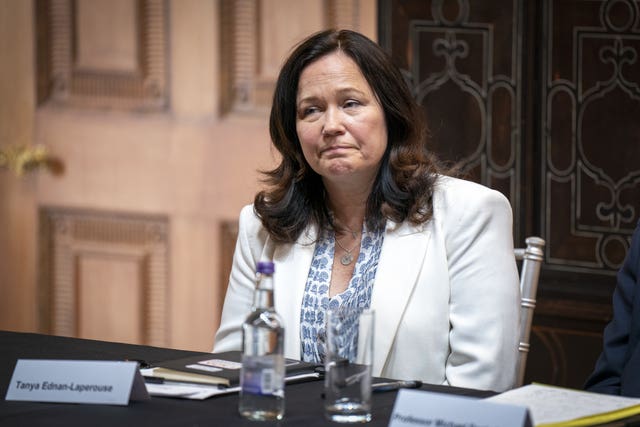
395, 385
153, 380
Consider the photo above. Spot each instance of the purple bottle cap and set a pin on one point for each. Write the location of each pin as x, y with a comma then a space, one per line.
266, 267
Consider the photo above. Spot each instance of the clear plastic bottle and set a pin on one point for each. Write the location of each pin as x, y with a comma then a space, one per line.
262, 374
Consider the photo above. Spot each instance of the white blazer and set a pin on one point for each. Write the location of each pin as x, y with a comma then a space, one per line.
446, 293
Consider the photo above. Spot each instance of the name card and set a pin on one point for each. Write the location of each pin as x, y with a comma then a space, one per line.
76, 381
415, 408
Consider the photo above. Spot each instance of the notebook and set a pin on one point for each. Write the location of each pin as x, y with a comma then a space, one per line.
224, 369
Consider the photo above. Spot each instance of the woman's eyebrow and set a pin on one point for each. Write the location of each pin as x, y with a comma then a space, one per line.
341, 92
309, 100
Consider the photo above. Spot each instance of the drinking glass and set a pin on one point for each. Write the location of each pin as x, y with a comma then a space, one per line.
348, 361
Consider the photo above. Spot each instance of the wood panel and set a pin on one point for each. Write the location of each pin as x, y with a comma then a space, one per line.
566, 339
462, 61
110, 290
257, 35
18, 220
104, 275
103, 54
589, 119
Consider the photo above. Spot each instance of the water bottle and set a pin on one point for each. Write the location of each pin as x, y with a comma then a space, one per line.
262, 373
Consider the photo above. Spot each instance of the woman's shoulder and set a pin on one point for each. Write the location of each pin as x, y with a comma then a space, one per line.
248, 214
451, 187
249, 219
249, 223
252, 235
458, 193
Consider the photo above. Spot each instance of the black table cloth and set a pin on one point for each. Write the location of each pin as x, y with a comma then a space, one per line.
303, 401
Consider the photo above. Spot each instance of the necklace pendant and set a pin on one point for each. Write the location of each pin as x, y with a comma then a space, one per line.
346, 259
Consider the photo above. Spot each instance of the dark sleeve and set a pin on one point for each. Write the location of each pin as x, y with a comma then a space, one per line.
606, 377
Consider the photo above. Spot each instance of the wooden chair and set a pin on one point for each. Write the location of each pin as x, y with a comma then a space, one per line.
531, 257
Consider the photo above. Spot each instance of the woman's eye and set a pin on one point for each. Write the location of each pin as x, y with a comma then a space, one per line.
351, 103
308, 111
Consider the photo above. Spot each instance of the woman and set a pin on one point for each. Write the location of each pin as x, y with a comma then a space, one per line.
356, 214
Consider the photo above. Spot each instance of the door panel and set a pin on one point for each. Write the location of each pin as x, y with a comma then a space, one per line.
105, 275
18, 218
590, 107
462, 62
109, 299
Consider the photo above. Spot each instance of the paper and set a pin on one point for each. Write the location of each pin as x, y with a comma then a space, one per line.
188, 391
556, 406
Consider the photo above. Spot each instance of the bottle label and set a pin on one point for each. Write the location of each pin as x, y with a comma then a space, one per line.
267, 381
262, 374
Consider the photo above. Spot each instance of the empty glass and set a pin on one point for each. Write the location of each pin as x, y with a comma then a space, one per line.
348, 361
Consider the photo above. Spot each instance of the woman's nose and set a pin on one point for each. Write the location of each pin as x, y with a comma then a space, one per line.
333, 122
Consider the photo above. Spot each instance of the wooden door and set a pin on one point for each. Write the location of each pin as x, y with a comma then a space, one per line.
114, 237
153, 115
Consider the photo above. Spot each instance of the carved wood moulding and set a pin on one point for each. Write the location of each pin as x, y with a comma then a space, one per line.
463, 62
68, 238
560, 357
589, 124
141, 84
245, 86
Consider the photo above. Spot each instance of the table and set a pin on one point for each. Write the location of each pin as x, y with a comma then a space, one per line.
303, 400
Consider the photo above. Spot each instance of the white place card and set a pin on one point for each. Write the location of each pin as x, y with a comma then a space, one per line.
76, 381
427, 409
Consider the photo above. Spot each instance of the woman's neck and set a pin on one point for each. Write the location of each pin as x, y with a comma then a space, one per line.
348, 212
347, 200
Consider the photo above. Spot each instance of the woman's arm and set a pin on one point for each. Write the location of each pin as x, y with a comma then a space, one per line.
485, 290
239, 296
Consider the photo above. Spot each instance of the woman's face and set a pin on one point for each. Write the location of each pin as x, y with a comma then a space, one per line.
339, 121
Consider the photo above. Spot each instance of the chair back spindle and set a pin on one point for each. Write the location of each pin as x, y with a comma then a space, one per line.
531, 256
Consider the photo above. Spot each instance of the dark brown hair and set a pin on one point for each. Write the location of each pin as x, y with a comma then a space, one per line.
403, 187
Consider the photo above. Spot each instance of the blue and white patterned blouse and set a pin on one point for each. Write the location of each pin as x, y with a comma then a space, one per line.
316, 298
